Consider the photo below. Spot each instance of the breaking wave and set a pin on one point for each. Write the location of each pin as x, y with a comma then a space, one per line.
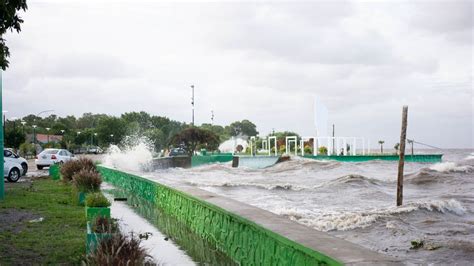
342, 221
289, 187
302, 164
353, 180
450, 167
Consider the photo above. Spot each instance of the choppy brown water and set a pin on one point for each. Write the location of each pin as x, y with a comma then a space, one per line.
356, 201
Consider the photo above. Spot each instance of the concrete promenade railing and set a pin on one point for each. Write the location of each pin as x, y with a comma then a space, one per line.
421, 158
247, 234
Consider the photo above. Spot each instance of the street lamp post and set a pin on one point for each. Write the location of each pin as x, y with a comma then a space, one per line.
4, 119
34, 134
47, 130
112, 138
95, 135
23, 123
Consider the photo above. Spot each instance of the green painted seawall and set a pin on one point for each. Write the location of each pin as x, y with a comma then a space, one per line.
423, 158
250, 236
199, 160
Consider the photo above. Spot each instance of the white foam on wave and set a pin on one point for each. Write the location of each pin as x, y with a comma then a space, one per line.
448, 167
469, 157
282, 186
347, 220
135, 154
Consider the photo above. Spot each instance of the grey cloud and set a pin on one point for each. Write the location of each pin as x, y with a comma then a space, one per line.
443, 16
87, 65
250, 60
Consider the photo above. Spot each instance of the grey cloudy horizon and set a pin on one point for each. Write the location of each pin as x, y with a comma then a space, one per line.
262, 61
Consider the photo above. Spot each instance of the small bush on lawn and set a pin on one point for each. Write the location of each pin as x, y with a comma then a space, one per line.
87, 180
120, 250
104, 225
97, 200
70, 168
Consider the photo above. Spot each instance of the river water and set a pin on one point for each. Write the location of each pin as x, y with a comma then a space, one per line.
356, 201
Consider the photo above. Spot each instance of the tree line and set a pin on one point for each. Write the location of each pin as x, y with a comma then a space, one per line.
103, 130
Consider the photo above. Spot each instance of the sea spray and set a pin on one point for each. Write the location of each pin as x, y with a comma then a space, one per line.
230, 144
135, 154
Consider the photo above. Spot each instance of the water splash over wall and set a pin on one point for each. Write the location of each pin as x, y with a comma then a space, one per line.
230, 144
135, 153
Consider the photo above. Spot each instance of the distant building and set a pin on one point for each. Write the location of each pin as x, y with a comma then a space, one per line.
43, 138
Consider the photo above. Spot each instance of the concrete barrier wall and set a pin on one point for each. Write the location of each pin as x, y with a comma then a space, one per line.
248, 235
171, 162
208, 159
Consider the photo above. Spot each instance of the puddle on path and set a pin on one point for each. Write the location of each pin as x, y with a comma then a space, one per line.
181, 247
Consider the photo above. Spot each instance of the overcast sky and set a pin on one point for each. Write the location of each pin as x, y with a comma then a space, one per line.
257, 61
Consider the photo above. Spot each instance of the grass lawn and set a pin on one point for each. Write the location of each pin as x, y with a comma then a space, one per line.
58, 239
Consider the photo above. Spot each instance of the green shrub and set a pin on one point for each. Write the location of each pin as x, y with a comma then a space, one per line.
26, 149
120, 250
70, 168
104, 225
323, 150
282, 148
97, 200
87, 180
308, 150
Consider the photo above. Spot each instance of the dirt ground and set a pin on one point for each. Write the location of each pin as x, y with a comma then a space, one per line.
17, 216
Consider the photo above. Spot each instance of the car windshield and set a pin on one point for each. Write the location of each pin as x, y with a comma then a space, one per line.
50, 151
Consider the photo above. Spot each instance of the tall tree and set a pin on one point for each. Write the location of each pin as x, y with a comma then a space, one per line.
9, 20
111, 130
142, 118
244, 127
193, 137
14, 138
381, 142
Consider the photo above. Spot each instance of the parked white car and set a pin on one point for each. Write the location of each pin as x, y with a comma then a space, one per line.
10, 156
49, 157
12, 171
95, 150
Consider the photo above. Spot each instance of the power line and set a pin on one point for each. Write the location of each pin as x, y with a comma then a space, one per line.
424, 144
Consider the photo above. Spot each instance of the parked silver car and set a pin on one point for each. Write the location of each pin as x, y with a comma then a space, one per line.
12, 170
11, 156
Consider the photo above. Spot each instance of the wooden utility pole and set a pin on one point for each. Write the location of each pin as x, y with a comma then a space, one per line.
401, 161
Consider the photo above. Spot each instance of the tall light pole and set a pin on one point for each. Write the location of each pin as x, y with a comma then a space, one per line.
192, 103
23, 123
47, 130
34, 134
95, 134
4, 119
112, 138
